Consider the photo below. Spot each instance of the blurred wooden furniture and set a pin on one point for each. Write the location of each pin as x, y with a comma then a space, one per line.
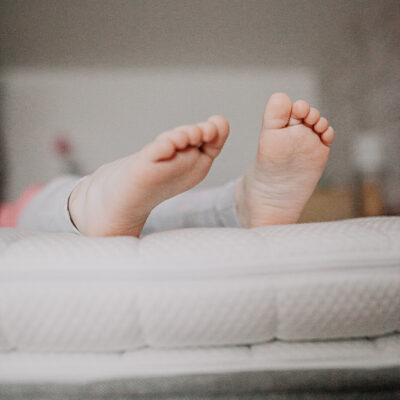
339, 202
371, 200
330, 204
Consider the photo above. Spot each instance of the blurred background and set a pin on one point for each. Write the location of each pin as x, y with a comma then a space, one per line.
85, 82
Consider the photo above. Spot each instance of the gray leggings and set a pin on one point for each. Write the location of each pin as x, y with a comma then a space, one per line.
214, 207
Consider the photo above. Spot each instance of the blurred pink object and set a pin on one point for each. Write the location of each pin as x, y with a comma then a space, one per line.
62, 146
10, 212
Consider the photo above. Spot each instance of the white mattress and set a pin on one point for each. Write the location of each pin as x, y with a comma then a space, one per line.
201, 312
355, 354
199, 287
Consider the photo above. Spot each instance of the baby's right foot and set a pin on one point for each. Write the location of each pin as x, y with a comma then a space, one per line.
118, 197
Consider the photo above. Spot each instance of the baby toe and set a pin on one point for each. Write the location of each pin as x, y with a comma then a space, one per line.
160, 149
194, 134
328, 136
321, 126
312, 117
222, 125
300, 109
179, 138
209, 130
277, 111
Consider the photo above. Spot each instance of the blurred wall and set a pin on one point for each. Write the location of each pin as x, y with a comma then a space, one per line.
126, 33
361, 90
110, 114
247, 49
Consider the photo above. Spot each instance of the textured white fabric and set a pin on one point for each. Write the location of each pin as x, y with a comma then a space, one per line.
199, 287
216, 207
383, 352
48, 209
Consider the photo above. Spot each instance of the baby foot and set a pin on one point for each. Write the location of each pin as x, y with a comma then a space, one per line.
293, 150
118, 197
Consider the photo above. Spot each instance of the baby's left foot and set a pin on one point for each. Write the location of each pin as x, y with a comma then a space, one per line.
293, 150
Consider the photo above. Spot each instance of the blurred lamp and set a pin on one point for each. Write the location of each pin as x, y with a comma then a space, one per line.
369, 153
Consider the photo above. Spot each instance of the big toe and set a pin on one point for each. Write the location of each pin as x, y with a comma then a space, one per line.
213, 148
277, 111
222, 125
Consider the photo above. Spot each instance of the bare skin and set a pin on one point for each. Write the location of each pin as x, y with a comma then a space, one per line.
293, 150
118, 197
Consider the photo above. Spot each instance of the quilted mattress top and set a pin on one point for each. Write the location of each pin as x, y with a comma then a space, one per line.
199, 287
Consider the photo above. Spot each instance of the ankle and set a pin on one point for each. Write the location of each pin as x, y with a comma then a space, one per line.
75, 205
260, 212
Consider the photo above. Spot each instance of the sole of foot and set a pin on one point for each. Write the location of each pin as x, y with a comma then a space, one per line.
118, 197
293, 150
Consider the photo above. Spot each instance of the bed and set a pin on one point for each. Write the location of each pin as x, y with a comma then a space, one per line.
298, 311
